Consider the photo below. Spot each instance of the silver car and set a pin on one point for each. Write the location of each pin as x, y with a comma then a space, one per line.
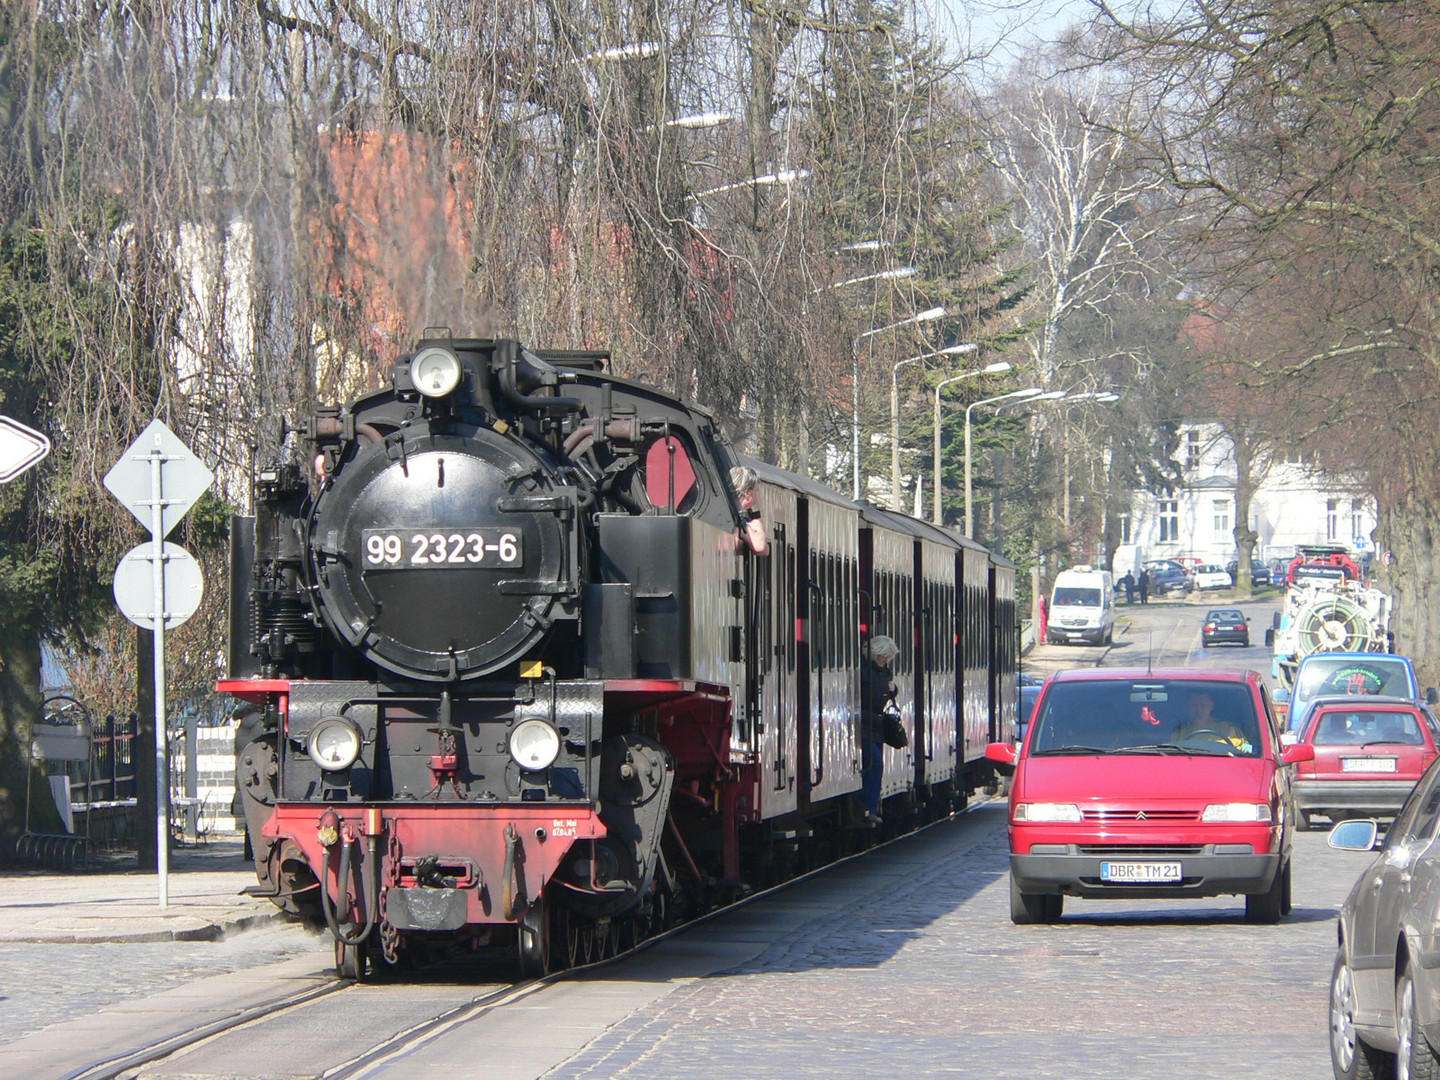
1385, 986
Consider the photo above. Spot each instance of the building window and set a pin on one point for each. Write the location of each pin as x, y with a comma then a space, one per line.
1192, 450
1355, 532
1125, 529
1222, 516
1332, 519
1169, 521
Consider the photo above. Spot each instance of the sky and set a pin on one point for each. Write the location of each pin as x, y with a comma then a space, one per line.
1009, 26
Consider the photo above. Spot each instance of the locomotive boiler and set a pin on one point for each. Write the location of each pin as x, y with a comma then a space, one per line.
512, 680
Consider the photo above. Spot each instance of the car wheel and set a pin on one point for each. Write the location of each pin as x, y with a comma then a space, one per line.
1414, 1060
1351, 1057
1245, 642
1285, 898
1267, 907
1029, 908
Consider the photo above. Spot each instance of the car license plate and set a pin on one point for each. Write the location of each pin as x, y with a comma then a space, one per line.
1140, 872
440, 549
1367, 764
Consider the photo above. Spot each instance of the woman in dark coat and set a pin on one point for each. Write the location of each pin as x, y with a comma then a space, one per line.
877, 690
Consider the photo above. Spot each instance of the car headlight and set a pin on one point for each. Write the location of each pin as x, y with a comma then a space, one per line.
334, 743
1047, 811
1237, 812
435, 371
534, 745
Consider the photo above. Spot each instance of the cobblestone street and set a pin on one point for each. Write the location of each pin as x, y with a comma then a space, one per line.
930, 978
46, 984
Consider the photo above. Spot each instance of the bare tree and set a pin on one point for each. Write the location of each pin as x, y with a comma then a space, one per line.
1300, 133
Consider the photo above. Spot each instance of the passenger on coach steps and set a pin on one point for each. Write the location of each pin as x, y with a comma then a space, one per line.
752, 527
877, 690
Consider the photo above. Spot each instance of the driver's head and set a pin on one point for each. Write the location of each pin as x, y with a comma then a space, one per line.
1201, 705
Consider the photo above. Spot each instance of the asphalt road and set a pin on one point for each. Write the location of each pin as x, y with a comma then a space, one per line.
1166, 634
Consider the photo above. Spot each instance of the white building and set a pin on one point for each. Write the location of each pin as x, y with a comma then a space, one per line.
1295, 503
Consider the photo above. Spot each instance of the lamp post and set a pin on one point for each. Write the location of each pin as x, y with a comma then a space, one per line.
1027, 394
924, 316
989, 369
953, 350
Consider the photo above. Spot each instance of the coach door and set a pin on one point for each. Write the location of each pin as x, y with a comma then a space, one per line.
937, 632
832, 684
774, 654
975, 654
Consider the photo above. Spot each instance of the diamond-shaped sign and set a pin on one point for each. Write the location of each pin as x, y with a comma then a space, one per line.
20, 448
183, 477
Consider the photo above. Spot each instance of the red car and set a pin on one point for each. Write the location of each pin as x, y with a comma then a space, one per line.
1369, 752
1137, 784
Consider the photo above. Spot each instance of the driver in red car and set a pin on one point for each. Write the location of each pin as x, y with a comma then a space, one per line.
1202, 719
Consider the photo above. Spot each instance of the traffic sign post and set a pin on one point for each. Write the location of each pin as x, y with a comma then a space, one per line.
158, 479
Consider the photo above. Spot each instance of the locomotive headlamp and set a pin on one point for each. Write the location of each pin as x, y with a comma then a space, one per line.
334, 743
435, 371
534, 745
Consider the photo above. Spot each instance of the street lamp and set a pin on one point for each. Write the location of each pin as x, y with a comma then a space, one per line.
953, 350
989, 369
785, 177
1029, 393
897, 274
693, 122
924, 316
640, 50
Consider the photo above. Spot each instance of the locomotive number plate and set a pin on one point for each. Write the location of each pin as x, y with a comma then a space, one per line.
454, 549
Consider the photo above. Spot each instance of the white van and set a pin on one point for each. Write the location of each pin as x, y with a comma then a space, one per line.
1082, 607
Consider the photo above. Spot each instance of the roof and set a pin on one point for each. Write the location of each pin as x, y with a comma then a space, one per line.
1372, 656
1110, 674
1363, 701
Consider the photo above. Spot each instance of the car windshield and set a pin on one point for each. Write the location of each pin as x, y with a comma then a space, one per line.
1224, 616
1356, 727
1073, 597
1351, 676
1147, 716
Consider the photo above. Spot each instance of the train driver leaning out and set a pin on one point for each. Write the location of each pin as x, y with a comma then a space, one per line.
752, 526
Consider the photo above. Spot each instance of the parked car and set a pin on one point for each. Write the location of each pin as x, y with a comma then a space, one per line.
1384, 1000
1225, 625
1369, 752
1210, 576
1168, 577
1082, 607
1028, 696
1259, 572
1140, 784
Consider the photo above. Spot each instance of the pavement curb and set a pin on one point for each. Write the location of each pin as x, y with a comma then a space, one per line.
215, 931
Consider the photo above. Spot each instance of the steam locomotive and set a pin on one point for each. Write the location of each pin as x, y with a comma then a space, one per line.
511, 679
